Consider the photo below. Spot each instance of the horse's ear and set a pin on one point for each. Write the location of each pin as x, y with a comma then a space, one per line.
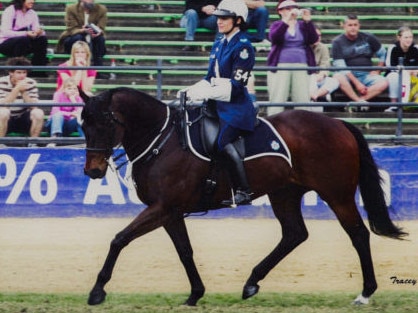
83, 95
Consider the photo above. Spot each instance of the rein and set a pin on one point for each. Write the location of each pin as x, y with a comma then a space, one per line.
151, 150
156, 151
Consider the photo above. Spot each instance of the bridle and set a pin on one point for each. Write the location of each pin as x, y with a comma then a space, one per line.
152, 149
110, 119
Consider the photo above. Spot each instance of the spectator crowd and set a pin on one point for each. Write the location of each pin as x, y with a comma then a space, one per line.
293, 40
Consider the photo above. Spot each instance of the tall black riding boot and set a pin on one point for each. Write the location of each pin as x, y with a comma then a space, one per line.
237, 171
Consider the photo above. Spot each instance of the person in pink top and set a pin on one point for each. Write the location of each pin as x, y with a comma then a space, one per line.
80, 56
64, 120
21, 34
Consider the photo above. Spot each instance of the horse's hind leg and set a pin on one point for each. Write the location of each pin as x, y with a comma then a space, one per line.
352, 223
148, 220
177, 231
287, 208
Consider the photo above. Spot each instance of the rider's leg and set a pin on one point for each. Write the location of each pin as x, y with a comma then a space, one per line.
236, 165
237, 171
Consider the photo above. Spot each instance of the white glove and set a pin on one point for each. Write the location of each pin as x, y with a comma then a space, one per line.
194, 89
218, 89
221, 89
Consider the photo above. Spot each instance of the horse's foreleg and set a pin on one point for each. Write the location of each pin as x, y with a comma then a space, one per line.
148, 220
287, 209
177, 231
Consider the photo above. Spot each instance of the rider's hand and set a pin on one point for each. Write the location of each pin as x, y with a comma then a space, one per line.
197, 92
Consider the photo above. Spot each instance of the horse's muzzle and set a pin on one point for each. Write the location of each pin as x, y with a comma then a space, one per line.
94, 173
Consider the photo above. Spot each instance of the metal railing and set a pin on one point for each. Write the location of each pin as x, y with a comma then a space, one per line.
398, 137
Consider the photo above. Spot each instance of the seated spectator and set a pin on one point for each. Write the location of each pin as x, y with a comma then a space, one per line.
322, 85
85, 21
356, 48
18, 88
64, 120
21, 34
80, 56
198, 13
404, 48
258, 17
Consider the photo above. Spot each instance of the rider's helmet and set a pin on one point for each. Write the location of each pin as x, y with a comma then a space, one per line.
232, 8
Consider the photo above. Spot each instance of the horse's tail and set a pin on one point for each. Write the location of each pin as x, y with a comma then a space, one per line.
372, 192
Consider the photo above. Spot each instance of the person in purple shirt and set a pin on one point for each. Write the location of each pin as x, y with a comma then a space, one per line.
21, 34
291, 40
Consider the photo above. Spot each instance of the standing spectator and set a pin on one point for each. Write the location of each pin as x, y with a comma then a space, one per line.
64, 120
356, 48
198, 13
291, 41
404, 48
258, 17
80, 56
86, 21
21, 34
18, 88
322, 85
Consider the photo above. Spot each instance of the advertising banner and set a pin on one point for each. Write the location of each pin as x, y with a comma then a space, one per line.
49, 182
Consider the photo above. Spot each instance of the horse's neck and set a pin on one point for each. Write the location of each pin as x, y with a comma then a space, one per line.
144, 133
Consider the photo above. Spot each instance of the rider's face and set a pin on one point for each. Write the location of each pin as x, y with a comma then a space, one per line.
225, 24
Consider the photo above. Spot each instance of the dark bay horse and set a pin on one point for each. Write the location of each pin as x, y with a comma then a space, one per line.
329, 156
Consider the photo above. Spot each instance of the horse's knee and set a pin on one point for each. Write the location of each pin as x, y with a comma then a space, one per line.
119, 242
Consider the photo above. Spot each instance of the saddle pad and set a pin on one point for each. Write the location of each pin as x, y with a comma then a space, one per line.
264, 141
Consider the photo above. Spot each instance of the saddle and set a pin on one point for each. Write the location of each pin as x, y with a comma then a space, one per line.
209, 131
202, 128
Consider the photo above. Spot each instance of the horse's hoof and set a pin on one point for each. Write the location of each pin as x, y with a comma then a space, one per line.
361, 300
96, 297
250, 291
189, 303
194, 297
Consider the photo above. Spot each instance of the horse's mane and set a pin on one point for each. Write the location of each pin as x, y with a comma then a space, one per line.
133, 98
139, 95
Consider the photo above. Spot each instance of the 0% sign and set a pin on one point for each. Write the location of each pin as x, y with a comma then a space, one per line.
42, 185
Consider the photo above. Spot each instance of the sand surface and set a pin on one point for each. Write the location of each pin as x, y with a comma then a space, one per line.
65, 255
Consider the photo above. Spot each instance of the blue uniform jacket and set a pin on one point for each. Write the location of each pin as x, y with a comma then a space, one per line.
236, 61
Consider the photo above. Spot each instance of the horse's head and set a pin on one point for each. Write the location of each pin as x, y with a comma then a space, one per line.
103, 129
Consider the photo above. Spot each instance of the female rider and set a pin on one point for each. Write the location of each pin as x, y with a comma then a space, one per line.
231, 61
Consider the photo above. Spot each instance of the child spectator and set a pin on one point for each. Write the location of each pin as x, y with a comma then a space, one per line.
64, 120
404, 48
